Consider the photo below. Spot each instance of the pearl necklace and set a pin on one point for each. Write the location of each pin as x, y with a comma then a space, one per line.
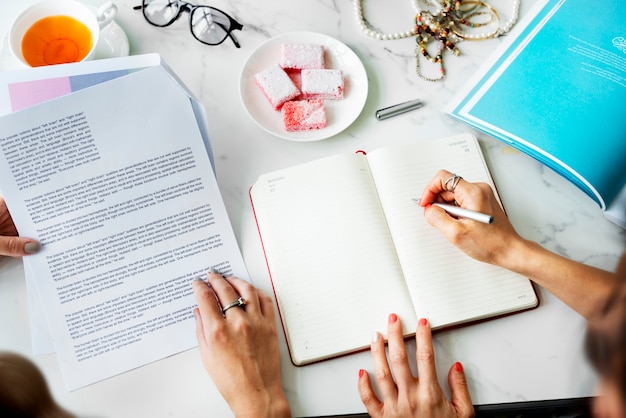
441, 25
358, 10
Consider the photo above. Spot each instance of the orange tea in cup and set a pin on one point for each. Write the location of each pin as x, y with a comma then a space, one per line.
56, 40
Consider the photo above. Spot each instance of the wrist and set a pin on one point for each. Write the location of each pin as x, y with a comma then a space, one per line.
518, 254
268, 406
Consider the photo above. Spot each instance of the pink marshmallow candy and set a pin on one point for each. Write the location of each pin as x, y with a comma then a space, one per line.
301, 56
304, 115
322, 84
276, 85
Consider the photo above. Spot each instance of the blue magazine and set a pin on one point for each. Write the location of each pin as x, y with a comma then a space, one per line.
556, 90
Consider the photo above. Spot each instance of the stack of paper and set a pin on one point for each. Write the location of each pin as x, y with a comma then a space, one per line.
108, 164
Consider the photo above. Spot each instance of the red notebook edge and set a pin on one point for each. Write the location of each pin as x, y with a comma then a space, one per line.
280, 314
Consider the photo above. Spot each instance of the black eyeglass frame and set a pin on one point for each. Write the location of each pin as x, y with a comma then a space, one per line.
190, 8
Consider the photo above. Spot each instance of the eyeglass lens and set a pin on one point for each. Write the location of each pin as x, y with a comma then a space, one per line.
160, 12
208, 25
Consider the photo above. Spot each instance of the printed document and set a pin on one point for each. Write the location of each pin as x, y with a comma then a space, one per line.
116, 182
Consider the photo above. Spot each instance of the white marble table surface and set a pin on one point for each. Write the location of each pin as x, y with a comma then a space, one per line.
535, 355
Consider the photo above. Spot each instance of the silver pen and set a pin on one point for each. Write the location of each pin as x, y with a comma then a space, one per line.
463, 213
394, 110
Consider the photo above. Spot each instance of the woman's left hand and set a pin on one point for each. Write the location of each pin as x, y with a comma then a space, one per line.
10, 243
410, 396
239, 347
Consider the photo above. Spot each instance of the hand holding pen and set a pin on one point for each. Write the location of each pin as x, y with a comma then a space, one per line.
476, 223
460, 212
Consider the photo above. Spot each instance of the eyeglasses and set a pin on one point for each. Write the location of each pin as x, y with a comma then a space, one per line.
208, 25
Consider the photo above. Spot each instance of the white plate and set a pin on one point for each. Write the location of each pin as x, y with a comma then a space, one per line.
339, 113
112, 43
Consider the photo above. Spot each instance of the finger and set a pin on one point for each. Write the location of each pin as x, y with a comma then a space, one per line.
225, 292
425, 354
459, 392
202, 342
437, 190
207, 300
397, 354
436, 187
248, 292
267, 305
368, 397
18, 246
381, 367
483, 196
441, 220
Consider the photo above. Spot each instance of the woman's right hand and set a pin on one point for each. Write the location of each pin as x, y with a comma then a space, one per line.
491, 243
584, 288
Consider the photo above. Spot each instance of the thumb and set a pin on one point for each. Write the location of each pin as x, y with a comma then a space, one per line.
440, 219
460, 393
18, 246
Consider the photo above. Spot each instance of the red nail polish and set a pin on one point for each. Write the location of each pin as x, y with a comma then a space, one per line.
423, 322
458, 367
393, 318
361, 373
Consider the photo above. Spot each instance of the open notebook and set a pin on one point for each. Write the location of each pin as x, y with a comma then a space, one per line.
346, 245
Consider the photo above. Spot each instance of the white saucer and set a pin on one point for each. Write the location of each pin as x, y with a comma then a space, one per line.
113, 43
339, 113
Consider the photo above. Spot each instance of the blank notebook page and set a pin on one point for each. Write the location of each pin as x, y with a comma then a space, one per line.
331, 259
446, 285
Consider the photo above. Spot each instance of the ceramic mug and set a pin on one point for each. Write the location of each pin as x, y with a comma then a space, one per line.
58, 31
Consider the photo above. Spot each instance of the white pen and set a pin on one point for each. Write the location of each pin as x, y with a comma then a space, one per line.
463, 213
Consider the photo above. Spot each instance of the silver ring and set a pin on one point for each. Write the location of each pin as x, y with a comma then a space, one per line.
454, 180
240, 302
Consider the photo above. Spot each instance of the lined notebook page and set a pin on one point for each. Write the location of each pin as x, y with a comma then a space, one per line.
447, 286
331, 258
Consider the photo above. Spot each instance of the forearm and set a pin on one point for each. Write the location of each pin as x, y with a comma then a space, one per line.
584, 288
